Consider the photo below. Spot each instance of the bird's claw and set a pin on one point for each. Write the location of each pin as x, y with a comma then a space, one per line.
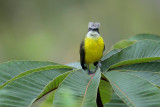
90, 72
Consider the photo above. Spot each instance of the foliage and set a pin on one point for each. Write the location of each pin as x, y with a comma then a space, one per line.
129, 76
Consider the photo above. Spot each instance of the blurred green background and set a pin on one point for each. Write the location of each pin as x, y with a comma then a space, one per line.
51, 30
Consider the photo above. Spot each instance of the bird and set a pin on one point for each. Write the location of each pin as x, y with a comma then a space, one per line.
92, 47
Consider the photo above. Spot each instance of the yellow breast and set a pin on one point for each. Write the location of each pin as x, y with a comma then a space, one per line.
93, 49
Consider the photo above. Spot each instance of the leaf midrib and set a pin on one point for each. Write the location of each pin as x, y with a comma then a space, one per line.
122, 93
86, 89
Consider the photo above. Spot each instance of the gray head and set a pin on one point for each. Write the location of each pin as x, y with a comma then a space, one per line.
93, 26
93, 29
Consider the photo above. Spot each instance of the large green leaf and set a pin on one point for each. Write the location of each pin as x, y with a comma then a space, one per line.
148, 66
142, 51
145, 36
134, 90
31, 71
47, 102
109, 54
123, 44
149, 71
115, 102
12, 69
24, 90
53, 85
75, 65
152, 77
83, 89
105, 91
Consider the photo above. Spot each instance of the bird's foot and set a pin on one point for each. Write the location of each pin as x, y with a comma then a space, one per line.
90, 72
97, 66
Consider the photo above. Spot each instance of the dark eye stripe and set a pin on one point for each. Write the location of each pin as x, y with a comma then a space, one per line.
95, 30
90, 29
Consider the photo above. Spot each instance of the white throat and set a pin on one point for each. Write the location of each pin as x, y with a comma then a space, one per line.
92, 34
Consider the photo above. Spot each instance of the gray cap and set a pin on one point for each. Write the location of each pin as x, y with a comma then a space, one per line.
93, 25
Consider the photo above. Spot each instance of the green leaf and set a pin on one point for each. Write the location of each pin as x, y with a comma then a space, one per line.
134, 90
105, 91
109, 54
123, 44
142, 51
33, 70
115, 102
148, 66
76, 65
67, 99
12, 69
149, 71
83, 88
145, 36
152, 77
24, 91
53, 85
48, 102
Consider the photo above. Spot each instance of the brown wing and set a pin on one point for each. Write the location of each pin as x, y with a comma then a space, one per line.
82, 55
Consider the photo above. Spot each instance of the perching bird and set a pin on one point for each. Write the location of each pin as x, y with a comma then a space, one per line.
92, 47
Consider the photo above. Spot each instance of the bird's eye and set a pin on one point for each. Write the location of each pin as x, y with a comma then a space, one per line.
89, 29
